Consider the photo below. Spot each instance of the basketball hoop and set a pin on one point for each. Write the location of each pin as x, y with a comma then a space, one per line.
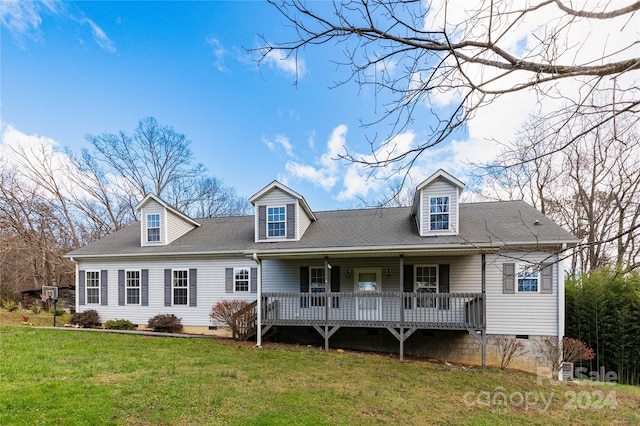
48, 294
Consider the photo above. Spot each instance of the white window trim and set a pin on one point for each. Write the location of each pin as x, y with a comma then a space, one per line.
158, 228
520, 267
284, 221
415, 283
86, 287
323, 273
173, 287
448, 228
248, 290
126, 287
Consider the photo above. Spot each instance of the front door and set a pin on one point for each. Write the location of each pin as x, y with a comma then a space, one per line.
367, 284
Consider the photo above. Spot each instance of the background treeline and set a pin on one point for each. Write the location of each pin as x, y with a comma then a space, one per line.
53, 201
603, 310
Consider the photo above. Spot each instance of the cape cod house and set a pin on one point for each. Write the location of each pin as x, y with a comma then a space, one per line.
440, 278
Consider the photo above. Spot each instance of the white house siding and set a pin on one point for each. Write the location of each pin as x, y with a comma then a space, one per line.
274, 198
152, 207
210, 289
439, 188
520, 313
176, 226
302, 220
284, 276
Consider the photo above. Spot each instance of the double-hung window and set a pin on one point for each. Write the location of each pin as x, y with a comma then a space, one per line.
132, 283
241, 279
528, 279
92, 284
180, 286
153, 227
317, 284
426, 285
438, 213
276, 222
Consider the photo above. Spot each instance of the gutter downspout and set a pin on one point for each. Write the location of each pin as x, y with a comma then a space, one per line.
561, 294
77, 284
259, 303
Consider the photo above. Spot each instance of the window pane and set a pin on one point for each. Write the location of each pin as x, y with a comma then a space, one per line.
241, 278
439, 213
133, 296
180, 287
153, 234
276, 221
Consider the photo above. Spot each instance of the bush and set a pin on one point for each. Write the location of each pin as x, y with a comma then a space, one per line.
36, 308
239, 315
86, 319
509, 348
10, 305
165, 323
119, 324
59, 311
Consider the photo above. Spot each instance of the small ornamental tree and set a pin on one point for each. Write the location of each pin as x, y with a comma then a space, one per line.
571, 350
238, 315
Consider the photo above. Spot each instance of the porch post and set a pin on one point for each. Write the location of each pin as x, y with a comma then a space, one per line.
259, 303
483, 306
401, 343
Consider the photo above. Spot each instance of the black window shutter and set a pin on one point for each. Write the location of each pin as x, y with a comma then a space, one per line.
120, 287
193, 287
254, 280
228, 280
262, 222
335, 285
81, 294
104, 290
508, 278
167, 287
291, 221
407, 285
443, 282
144, 290
546, 282
304, 286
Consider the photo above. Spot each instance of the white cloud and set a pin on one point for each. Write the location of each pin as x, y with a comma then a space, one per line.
291, 64
100, 36
23, 19
219, 53
280, 142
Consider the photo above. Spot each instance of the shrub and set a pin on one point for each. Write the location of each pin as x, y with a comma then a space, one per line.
86, 319
571, 350
239, 315
165, 323
509, 349
10, 305
59, 311
119, 324
36, 308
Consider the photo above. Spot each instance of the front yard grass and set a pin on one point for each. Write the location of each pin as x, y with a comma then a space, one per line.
76, 377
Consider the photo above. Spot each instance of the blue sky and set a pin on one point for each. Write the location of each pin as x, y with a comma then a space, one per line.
76, 68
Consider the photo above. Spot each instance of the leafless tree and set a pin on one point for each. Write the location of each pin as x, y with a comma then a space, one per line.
415, 53
592, 187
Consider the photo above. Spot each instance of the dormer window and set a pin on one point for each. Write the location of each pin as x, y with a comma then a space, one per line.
276, 221
438, 213
153, 228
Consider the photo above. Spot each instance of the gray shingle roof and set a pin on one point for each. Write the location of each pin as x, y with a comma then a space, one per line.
482, 225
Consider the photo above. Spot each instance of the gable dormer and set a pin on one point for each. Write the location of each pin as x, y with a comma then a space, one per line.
281, 214
436, 205
160, 224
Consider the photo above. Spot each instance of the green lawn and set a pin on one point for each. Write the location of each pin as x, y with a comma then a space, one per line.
80, 377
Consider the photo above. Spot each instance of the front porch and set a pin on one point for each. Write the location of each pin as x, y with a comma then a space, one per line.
399, 312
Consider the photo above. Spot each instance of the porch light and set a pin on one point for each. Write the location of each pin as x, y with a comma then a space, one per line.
348, 274
388, 272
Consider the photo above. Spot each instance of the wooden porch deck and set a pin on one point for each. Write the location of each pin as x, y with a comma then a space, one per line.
449, 311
